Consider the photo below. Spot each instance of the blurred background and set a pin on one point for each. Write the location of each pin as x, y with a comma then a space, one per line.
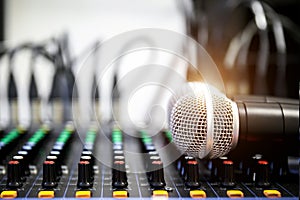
255, 45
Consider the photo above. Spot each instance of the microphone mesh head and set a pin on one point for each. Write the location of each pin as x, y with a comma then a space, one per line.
203, 122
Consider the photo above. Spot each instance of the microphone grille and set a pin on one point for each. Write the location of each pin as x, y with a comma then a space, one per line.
188, 124
203, 122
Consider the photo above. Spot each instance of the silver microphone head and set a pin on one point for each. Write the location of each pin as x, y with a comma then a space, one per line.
203, 121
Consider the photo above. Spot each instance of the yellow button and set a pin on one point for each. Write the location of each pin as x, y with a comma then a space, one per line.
83, 194
197, 194
120, 194
272, 193
160, 193
235, 194
9, 194
46, 194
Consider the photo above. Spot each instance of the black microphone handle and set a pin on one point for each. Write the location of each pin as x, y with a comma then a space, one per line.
268, 119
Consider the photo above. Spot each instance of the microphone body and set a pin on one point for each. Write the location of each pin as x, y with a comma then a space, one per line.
267, 118
205, 123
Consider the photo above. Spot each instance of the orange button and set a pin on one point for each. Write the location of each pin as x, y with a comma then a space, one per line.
83, 194
46, 194
235, 194
9, 194
160, 193
195, 194
272, 193
120, 194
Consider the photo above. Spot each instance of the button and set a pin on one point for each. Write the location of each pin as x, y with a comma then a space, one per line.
9, 194
83, 194
272, 193
192, 174
46, 194
13, 174
228, 174
149, 147
119, 194
49, 174
119, 152
195, 194
160, 193
235, 194
84, 175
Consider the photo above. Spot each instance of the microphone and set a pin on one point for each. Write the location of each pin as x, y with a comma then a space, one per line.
205, 123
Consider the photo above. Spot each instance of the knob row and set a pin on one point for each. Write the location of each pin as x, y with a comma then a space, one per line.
119, 174
153, 163
87, 161
223, 171
52, 166
18, 166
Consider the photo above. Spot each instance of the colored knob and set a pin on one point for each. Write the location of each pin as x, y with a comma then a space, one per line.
89, 153
228, 174
262, 175
13, 174
24, 164
49, 174
156, 176
90, 160
184, 161
119, 177
192, 174
84, 175
58, 169
24, 168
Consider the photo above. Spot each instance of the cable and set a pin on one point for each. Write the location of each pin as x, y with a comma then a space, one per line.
21, 66
241, 50
280, 82
5, 116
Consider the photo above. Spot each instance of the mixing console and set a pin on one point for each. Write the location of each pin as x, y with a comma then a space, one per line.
105, 163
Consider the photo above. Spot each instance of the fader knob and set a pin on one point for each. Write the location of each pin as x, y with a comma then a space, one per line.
90, 160
13, 174
23, 167
192, 174
57, 164
262, 175
228, 174
49, 174
24, 162
119, 175
84, 175
156, 178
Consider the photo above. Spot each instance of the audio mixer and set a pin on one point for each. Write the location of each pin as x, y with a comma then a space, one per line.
62, 162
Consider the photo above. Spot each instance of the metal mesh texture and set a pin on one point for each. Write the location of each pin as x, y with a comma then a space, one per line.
188, 122
223, 126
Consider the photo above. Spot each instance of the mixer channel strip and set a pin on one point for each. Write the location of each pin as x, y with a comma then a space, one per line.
188, 169
119, 173
83, 182
19, 171
154, 167
52, 179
